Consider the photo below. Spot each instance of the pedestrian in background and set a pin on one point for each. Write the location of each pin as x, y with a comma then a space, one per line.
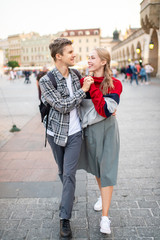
129, 72
143, 75
123, 73
27, 74
134, 74
100, 148
11, 75
64, 131
149, 69
114, 71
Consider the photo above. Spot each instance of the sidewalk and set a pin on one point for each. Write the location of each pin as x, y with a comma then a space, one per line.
30, 189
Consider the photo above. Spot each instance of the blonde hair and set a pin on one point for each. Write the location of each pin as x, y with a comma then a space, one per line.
107, 81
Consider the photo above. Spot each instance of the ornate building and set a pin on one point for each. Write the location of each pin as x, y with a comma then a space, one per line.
84, 40
15, 46
35, 51
4, 48
142, 44
150, 22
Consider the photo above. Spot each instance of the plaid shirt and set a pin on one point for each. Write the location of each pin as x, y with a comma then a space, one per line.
61, 103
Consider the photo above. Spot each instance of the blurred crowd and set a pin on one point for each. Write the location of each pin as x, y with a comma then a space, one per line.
135, 72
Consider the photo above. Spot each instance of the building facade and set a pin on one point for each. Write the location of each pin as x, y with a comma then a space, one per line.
4, 48
84, 40
110, 42
150, 22
142, 44
1, 61
35, 51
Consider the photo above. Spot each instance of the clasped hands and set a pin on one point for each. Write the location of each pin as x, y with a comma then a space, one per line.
86, 86
87, 83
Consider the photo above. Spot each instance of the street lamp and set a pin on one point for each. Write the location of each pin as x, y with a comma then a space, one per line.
138, 50
151, 45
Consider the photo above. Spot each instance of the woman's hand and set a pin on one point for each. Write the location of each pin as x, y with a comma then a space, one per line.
87, 83
114, 114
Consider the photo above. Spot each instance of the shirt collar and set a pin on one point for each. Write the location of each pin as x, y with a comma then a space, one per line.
58, 74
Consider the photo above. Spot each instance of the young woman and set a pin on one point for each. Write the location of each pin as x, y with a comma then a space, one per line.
100, 148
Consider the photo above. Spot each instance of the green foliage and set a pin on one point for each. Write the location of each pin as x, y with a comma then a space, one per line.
13, 64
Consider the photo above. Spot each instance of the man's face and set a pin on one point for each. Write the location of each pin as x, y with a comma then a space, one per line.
68, 56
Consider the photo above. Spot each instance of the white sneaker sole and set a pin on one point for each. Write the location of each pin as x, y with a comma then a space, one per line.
105, 231
97, 209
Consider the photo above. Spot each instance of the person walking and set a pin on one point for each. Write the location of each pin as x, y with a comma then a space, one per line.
134, 74
129, 72
27, 74
143, 75
149, 69
100, 147
64, 131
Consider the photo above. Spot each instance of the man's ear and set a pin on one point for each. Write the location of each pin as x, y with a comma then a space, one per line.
58, 56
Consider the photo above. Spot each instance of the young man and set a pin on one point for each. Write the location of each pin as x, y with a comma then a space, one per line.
64, 128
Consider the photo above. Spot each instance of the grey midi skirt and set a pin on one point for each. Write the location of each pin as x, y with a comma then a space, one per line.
100, 151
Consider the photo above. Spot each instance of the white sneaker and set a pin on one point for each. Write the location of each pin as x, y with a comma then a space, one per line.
98, 204
105, 225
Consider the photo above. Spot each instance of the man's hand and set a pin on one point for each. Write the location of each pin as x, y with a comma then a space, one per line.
87, 83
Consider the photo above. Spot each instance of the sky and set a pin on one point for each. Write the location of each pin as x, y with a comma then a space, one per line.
50, 16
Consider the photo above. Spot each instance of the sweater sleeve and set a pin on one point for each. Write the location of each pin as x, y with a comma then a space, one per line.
81, 81
105, 105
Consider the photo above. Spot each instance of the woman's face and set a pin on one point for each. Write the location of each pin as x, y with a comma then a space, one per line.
94, 62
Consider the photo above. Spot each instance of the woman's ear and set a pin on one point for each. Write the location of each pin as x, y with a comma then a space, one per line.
103, 62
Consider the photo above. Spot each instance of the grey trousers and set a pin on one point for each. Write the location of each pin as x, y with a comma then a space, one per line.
67, 160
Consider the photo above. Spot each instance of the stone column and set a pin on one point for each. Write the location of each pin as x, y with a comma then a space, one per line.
158, 72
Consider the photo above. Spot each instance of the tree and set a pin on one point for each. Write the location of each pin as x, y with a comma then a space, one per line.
13, 64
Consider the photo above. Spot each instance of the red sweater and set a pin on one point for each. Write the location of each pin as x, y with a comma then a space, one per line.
98, 98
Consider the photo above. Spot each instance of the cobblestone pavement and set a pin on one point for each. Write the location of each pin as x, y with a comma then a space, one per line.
18, 104
135, 209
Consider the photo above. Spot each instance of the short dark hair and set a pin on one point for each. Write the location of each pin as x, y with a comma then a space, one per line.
58, 45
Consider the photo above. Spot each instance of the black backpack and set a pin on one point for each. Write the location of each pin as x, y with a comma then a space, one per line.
44, 109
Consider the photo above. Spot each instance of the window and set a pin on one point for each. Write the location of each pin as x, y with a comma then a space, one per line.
87, 32
87, 40
72, 33
95, 32
80, 41
65, 34
87, 49
80, 33
95, 40
80, 49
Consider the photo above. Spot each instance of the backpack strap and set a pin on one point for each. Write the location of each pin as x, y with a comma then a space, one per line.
77, 73
53, 80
